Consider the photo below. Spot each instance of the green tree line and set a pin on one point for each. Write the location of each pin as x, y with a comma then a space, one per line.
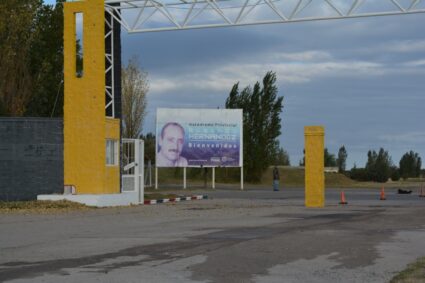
380, 167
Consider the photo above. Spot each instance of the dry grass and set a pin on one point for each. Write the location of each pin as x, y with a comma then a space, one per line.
41, 206
62, 206
414, 273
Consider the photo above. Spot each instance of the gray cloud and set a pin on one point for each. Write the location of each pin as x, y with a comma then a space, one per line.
361, 79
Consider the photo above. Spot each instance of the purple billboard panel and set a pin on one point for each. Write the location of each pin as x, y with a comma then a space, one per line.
199, 138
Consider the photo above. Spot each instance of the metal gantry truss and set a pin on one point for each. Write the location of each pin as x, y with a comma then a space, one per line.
166, 15
109, 68
137, 16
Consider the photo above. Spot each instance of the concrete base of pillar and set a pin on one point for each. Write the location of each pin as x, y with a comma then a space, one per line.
106, 200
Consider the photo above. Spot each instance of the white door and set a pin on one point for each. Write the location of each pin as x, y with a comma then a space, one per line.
133, 167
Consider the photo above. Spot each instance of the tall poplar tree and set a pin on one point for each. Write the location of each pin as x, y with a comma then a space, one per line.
261, 123
329, 158
342, 159
378, 166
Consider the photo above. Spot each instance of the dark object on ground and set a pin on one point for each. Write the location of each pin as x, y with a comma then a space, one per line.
404, 192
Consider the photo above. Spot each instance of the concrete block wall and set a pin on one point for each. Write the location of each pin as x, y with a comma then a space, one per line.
31, 158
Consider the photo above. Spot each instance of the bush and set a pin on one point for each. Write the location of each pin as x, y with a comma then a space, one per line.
395, 174
359, 174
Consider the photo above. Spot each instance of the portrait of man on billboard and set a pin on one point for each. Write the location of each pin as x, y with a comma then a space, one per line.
170, 146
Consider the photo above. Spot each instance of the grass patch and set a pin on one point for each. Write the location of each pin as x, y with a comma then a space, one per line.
41, 206
337, 180
414, 273
198, 175
290, 177
294, 177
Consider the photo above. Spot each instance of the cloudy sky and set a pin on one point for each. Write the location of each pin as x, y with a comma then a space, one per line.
362, 79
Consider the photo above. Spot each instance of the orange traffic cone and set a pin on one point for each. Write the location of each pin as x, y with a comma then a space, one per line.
343, 201
382, 197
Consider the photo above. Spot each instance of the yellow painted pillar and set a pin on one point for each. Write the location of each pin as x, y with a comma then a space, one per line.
86, 127
314, 166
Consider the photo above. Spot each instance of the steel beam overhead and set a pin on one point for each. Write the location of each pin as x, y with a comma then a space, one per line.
166, 15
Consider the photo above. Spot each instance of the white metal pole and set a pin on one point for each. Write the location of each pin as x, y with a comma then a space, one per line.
112, 68
241, 177
136, 166
213, 177
141, 172
184, 177
150, 173
156, 178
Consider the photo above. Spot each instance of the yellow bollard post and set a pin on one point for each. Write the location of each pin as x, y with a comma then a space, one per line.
314, 166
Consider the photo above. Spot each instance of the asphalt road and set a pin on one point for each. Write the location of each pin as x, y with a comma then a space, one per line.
249, 236
332, 196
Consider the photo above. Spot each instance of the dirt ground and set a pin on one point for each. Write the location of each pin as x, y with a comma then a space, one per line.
235, 236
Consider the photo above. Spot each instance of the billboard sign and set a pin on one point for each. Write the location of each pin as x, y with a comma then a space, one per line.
199, 137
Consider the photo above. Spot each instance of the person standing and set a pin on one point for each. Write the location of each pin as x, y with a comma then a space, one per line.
276, 179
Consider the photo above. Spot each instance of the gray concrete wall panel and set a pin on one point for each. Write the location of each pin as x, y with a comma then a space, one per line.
31, 157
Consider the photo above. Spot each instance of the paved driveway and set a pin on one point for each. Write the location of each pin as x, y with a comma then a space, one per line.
250, 236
